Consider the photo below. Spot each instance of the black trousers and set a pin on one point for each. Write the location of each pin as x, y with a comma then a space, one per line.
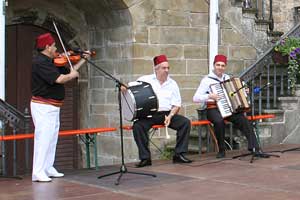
239, 120
179, 123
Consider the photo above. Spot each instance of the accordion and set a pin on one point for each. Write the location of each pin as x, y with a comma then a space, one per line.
232, 95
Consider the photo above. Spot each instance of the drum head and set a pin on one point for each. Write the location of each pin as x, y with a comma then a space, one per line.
128, 105
138, 102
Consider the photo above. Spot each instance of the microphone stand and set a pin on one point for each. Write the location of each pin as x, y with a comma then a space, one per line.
254, 154
236, 91
123, 168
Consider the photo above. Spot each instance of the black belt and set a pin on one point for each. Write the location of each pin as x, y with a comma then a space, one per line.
162, 112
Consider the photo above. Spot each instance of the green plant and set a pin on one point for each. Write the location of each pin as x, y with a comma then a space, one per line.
167, 153
290, 47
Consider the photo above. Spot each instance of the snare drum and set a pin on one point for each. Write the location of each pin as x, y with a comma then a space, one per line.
139, 101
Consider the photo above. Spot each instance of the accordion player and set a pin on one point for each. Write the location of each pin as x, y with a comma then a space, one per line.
232, 96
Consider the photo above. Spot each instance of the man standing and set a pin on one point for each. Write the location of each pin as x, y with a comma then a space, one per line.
205, 95
47, 97
169, 101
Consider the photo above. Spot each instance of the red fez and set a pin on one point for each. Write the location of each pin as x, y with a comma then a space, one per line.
220, 58
159, 59
43, 40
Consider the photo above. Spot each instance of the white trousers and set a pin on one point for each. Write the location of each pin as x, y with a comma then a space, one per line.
46, 122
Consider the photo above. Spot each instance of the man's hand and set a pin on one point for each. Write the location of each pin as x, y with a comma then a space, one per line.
247, 90
213, 96
123, 88
167, 120
74, 73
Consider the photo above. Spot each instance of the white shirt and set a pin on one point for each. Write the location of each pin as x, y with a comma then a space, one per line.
168, 93
201, 95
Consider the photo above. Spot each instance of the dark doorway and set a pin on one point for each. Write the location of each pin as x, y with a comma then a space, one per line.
20, 41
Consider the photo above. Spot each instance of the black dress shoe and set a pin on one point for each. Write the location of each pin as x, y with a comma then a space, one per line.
220, 154
260, 154
180, 158
143, 163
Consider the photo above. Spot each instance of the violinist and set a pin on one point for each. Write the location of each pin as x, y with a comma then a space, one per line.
47, 97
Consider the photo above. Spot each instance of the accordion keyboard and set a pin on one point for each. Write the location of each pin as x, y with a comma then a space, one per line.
223, 104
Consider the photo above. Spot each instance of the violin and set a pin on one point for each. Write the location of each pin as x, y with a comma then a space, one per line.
61, 60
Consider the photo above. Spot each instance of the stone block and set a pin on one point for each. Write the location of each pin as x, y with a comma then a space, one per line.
97, 96
97, 38
99, 121
131, 3
235, 67
106, 65
123, 67
113, 52
108, 145
171, 35
177, 67
190, 110
118, 35
195, 52
83, 72
104, 109
288, 103
199, 19
83, 104
112, 95
242, 52
96, 82
187, 95
130, 148
232, 37
109, 83
184, 82
145, 51
182, 5
143, 13
140, 34
223, 50
197, 67
126, 51
172, 51
170, 18
224, 24
142, 66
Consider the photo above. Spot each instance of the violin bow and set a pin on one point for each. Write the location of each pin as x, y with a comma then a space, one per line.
62, 44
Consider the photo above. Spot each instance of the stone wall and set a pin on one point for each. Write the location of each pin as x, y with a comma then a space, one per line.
283, 12
178, 29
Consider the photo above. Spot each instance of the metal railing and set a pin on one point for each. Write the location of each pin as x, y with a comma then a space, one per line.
18, 121
267, 79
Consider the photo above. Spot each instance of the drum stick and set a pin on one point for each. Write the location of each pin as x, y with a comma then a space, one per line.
167, 133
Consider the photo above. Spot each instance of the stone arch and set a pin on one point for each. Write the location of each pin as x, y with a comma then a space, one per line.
103, 25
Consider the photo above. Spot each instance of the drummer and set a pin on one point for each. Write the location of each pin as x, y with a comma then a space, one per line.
169, 101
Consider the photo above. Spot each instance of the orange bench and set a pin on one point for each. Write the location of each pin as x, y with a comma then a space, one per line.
208, 123
67, 133
61, 133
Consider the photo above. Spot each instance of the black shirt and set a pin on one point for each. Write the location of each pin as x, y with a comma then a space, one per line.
44, 74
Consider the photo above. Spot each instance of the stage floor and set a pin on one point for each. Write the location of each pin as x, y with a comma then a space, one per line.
206, 178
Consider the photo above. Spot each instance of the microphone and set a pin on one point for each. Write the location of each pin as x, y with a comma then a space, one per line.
258, 89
